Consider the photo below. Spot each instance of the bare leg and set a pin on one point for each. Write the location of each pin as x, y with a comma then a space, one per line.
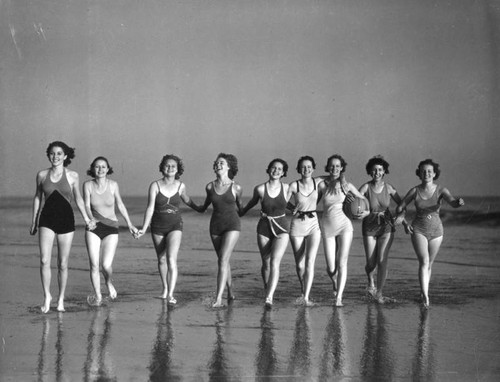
224, 246
371, 249
160, 243
93, 243
426, 252
329, 245
46, 241
312, 245
384, 244
298, 247
109, 245
265, 248
64, 246
344, 246
278, 248
173, 244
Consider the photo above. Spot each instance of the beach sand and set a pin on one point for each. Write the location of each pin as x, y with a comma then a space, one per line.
138, 337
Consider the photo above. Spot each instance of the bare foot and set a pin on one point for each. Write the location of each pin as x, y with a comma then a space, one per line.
171, 301
46, 304
308, 303
112, 291
217, 304
94, 300
269, 302
230, 298
372, 291
338, 303
60, 306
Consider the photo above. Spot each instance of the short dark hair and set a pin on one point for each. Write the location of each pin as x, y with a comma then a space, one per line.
377, 160
429, 161
279, 160
232, 162
343, 163
180, 165
91, 170
304, 158
68, 151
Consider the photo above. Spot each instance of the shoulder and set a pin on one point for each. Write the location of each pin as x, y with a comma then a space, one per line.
209, 186
41, 175
364, 187
72, 174
390, 188
113, 184
237, 186
259, 189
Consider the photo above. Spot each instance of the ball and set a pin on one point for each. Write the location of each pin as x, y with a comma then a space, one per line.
355, 207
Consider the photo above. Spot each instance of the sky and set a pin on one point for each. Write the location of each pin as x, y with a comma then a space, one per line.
135, 80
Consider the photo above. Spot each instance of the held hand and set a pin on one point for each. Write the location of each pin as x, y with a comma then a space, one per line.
460, 202
399, 219
350, 197
33, 229
92, 224
409, 229
133, 230
138, 234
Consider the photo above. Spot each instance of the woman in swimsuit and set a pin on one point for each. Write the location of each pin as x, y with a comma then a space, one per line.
56, 187
101, 195
336, 227
426, 230
225, 196
305, 234
164, 198
272, 229
378, 227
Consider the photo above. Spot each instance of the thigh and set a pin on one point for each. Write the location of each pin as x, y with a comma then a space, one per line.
109, 244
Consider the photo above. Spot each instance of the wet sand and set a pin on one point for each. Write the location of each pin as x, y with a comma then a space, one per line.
139, 337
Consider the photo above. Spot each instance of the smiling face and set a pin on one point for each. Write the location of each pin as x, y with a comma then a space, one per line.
100, 168
335, 167
57, 156
170, 168
427, 173
276, 170
306, 168
377, 172
221, 165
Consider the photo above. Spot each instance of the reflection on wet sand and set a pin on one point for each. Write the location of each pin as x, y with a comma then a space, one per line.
334, 360
219, 365
43, 370
98, 365
266, 360
160, 367
424, 363
377, 357
299, 363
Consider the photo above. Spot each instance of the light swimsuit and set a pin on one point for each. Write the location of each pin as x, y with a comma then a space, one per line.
167, 215
334, 221
102, 206
57, 213
379, 222
273, 221
305, 221
427, 221
225, 215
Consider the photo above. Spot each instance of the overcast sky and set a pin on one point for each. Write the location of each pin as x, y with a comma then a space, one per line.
134, 80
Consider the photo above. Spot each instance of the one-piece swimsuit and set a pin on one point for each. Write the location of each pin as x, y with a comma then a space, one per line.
102, 206
334, 221
57, 213
167, 215
305, 221
379, 222
427, 221
225, 216
273, 220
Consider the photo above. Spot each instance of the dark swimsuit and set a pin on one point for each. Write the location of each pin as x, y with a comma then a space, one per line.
379, 222
224, 216
57, 213
167, 215
273, 221
427, 221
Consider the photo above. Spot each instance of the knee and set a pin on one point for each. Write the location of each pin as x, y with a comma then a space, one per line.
106, 268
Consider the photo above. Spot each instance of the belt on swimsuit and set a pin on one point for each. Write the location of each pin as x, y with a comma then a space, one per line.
303, 214
168, 211
272, 221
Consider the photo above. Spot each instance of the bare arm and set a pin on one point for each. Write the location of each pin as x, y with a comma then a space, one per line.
207, 202
252, 202
187, 200
451, 200
148, 214
75, 184
123, 210
37, 202
237, 192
